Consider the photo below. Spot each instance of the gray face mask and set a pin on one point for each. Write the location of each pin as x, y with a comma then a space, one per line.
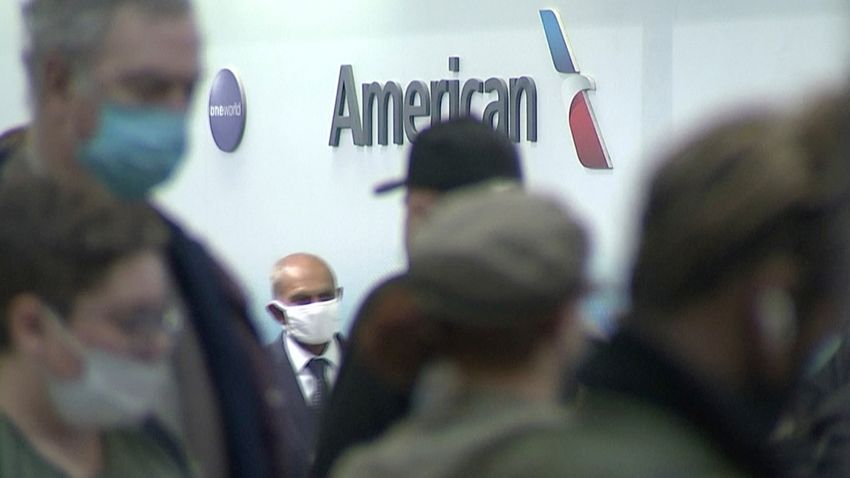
112, 391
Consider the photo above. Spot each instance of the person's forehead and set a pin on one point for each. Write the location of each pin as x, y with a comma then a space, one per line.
138, 280
305, 275
139, 42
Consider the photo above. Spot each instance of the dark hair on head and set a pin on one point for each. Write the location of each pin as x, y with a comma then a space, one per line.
397, 337
748, 189
504, 348
58, 241
711, 207
12, 141
391, 335
823, 133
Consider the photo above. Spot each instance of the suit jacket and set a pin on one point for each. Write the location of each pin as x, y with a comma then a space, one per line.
304, 420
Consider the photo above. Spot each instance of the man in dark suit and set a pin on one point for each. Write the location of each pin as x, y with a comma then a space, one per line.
309, 349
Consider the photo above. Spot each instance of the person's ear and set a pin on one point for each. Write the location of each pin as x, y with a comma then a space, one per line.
276, 312
26, 319
339, 291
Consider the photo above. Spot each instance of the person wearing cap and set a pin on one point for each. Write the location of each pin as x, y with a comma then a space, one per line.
443, 158
497, 277
447, 157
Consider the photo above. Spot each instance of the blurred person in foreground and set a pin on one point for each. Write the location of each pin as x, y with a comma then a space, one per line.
111, 82
741, 275
814, 435
309, 349
497, 276
87, 325
443, 158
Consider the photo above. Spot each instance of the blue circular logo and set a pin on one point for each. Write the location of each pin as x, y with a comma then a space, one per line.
227, 110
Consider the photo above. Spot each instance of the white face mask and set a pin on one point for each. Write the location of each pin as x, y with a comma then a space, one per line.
312, 324
112, 391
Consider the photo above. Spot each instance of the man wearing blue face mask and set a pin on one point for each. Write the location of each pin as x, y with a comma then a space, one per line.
111, 82
309, 349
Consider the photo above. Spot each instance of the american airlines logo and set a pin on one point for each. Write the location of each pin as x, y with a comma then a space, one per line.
382, 102
590, 147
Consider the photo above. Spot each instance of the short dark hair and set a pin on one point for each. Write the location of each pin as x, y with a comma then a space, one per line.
397, 337
748, 189
58, 241
503, 348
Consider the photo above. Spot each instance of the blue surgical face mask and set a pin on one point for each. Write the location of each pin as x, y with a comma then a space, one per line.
135, 148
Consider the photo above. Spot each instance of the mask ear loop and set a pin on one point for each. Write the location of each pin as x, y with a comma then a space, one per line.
61, 326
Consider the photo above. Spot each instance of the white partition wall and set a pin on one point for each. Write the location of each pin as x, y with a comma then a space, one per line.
660, 68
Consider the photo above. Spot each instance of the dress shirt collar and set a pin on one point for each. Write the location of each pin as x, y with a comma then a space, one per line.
300, 356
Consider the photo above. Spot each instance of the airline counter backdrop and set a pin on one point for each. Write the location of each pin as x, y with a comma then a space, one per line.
332, 93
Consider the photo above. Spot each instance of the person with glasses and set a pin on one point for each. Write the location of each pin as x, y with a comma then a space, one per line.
309, 349
88, 323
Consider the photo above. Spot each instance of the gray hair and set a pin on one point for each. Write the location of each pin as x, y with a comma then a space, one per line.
75, 29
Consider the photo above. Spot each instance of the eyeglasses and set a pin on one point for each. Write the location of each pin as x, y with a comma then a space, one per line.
140, 329
144, 323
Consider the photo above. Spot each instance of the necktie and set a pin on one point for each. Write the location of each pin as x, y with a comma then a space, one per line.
317, 367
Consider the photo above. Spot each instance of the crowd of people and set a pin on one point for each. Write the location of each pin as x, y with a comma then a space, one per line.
126, 349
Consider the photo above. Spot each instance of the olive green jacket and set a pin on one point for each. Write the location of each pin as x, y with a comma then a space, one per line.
127, 454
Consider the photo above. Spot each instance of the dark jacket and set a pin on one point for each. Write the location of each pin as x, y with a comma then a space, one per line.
814, 438
365, 402
362, 404
253, 429
303, 419
651, 417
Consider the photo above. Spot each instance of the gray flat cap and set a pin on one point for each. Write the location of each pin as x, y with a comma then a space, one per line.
491, 258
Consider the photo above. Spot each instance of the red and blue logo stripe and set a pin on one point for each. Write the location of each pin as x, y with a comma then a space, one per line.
590, 147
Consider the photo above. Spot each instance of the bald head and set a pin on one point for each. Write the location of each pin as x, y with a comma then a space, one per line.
302, 278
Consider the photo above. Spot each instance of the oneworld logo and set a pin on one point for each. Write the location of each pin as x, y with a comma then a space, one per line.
227, 110
420, 99
590, 147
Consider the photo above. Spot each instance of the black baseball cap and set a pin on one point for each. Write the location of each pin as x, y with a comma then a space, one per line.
456, 153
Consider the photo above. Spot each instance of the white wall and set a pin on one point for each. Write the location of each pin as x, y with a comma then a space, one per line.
13, 99
660, 67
